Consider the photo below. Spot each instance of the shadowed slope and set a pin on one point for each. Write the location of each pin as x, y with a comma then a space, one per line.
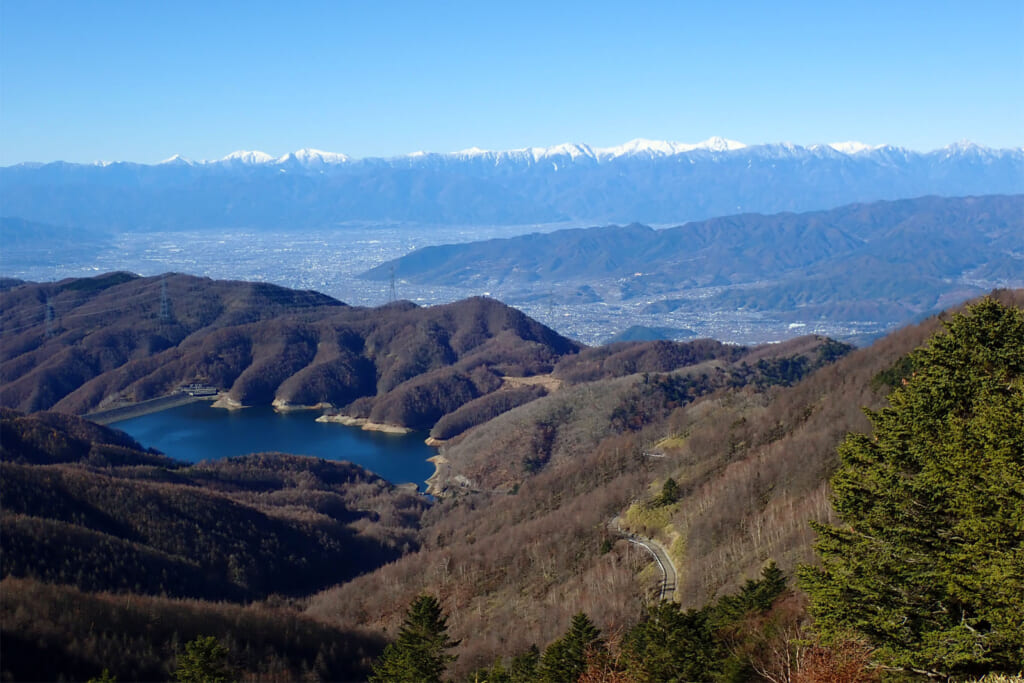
83, 505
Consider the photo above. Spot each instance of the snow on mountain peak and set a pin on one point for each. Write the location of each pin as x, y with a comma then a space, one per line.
717, 144
653, 148
471, 152
851, 147
964, 146
176, 160
249, 157
568, 149
639, 148
308, 155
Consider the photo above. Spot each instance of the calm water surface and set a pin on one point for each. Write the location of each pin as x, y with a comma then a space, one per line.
196, 431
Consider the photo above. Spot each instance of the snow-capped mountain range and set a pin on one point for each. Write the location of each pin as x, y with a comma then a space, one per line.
638, 148
648, 181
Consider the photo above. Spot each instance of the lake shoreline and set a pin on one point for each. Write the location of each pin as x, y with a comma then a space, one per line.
192, 432
365, 424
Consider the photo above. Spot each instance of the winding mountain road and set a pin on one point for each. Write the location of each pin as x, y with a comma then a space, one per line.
668, 569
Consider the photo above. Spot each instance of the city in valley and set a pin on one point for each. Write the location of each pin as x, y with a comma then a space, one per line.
330, 261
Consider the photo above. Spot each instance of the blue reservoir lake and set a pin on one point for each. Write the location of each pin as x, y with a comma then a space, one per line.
195, 432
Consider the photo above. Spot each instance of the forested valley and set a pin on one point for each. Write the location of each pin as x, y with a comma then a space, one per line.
118, 559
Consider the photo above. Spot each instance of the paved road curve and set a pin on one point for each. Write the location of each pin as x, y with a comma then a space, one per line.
668, 570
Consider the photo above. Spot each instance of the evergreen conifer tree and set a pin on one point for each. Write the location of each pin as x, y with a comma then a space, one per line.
419, 655
928, 562
205, 660
669, 492
670, 645
566, 658
754, 596
523, 668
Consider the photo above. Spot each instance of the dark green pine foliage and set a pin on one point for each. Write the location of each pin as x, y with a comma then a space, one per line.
700, 645
928, 562
205, 660
671, 645
523, 668
670, 492
419, 655
566, 658
496, 674
730, 623
755, 596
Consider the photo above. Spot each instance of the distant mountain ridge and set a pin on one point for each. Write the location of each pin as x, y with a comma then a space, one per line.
642, 147
643, 180
886, 260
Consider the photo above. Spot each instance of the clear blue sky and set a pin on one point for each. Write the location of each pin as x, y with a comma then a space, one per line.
141, 81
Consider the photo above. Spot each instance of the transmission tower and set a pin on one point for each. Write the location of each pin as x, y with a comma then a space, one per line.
165, 301
392, 294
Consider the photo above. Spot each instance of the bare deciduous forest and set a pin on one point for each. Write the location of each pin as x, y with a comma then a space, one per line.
304, 568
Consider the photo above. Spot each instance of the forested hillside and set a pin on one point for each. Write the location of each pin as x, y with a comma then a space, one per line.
80, 345
88, 513
883, 261
722, 454
525, 544
55, 632
83, 505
